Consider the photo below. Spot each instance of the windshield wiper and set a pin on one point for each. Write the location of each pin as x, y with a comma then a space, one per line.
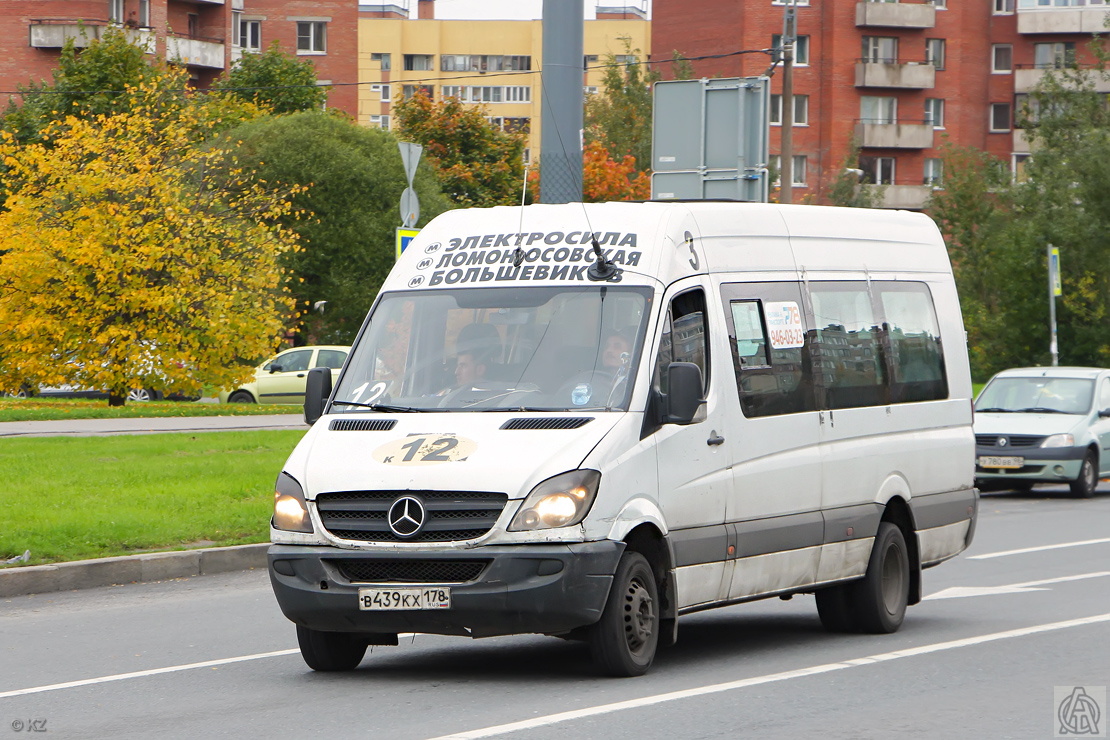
376, 406
1043, 410
994, 411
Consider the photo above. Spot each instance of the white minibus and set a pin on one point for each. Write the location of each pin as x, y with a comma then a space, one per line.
587, 420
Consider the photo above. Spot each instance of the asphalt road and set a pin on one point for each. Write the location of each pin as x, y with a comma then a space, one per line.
1024, 611
95, 427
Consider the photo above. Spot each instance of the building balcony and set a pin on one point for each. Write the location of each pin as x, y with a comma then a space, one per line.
1020, 142
52, 33
894, 135
905, 197
1026, 78
1085, 20
896, 15
906, 75
195, 52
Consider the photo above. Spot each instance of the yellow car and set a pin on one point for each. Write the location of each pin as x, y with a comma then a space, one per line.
282, 378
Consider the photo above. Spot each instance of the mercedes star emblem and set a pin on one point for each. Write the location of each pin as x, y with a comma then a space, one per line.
406, 516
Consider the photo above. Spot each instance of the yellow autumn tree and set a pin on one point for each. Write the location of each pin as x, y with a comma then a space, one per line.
132, 257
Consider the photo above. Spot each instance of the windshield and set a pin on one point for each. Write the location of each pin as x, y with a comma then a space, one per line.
482, 349
1036, 395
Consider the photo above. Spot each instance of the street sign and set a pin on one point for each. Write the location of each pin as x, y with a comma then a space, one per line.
410, 157
404, 236
710, 139
1054, 270
410, 208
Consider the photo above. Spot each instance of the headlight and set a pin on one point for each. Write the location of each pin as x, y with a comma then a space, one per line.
290, 509
1059, 440
558, 502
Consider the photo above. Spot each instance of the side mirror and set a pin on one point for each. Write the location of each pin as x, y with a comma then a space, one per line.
316, 392
275, 369
1104, 413
683, 399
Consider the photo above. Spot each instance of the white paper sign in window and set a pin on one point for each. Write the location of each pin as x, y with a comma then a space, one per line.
784, 324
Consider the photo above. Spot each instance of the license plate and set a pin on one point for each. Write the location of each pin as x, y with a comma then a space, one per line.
396, 599
1001, 462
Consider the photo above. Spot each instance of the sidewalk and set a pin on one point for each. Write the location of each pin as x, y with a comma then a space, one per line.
92, 427
154, 566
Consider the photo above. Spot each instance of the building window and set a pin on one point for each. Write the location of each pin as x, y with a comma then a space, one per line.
873, 109
194, 25
419, 62
934, 52
381, 122
384, 60
144, 13
384, 92
484, 63
1054, 55
115, 11
407, 91
248, 35
588, 59
940, 4
801, 49
934, 171
797, 173
1003, 7
312, 37
1018, 167
882, 49
1002, 59
801, 110
877, 170
934, 112
1001, 117
784, 2
488, 93
589, 89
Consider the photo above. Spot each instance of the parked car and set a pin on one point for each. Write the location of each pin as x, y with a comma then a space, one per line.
281, 379
1044, 425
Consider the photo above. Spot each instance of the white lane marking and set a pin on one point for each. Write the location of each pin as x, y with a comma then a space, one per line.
157, 671
959, 592
1022, 551
552, 719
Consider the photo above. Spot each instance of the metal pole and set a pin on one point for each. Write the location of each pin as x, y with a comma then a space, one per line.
786, 147
561, 104
1052, 347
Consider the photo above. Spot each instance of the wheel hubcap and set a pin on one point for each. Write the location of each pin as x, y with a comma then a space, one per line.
639, 615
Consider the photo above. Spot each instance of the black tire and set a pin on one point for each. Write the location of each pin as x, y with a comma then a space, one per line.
623, 642
330, 651
880, 598
240, 397
142, 395
834, 606
1084, 486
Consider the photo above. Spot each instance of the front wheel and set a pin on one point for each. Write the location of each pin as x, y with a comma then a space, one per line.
1084, 486
623, 642
240, 397
330, 651
142, 395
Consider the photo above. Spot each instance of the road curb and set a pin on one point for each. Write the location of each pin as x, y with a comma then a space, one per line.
155, 566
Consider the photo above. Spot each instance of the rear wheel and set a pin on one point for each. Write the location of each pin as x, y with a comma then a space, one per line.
1084, 486
240, 397
142, 395
623, 642
879, 599
330, 651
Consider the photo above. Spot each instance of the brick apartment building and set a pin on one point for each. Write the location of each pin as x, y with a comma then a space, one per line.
206, 36
897, 78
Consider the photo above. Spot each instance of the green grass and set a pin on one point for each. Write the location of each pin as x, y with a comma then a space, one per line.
88, 497
41, 409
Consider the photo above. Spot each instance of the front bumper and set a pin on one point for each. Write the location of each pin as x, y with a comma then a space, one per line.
546, 589
1044, 465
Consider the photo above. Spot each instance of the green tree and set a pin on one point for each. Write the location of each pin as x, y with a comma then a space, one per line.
619, 115
87, 83
133, 258
353, 179
477, 164
275, 80
846, 188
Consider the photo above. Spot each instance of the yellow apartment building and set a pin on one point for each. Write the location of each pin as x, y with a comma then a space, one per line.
493, 63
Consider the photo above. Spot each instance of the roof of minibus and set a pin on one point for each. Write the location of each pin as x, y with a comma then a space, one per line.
650, 241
